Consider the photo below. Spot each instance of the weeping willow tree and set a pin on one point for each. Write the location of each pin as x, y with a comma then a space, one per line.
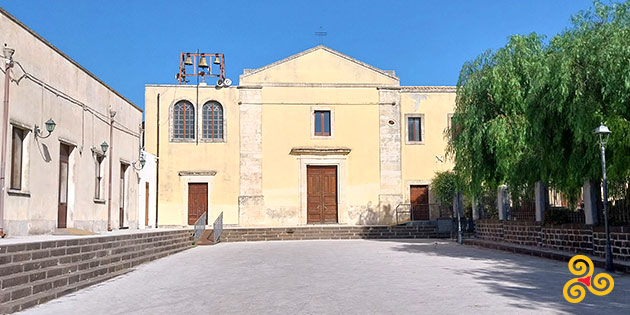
491, 134
526, 112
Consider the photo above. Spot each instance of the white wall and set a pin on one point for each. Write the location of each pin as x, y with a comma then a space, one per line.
48, 84
147, 175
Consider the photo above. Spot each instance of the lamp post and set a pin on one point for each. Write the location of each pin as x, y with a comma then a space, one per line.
110, 171
603, 132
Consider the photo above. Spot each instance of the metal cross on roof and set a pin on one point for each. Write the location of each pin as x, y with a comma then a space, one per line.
321, 35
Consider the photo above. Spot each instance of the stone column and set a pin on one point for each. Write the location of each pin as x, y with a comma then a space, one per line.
542, 200
389, 153
592, 199
476, 208
458, 213
250, 199
503, 202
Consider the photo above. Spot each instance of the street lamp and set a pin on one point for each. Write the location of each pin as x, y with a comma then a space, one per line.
104, 147
50, 127
140, 161
603, 132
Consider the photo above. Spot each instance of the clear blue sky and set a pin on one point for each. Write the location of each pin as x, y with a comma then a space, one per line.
129, 43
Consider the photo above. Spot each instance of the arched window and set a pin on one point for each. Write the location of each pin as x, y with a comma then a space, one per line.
212, 121
183, 120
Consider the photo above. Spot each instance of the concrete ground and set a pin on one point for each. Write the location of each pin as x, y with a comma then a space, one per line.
341, 277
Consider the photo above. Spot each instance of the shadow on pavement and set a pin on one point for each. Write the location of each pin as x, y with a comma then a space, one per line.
527, 280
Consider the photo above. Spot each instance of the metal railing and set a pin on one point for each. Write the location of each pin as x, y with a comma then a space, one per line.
421, 212
618, 202
217, 228
526, 211
488, 208
561, 215
619, 212
200, 226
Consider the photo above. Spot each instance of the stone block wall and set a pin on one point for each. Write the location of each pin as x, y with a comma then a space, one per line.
489, 229
33, 273
329, 233
619, 242
521, 232
573, 238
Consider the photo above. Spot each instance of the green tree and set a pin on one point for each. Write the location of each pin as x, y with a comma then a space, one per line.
445, 185
491, 132
526, 112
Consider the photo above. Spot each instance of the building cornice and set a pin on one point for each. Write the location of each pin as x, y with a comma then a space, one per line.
428, 89
320, 151
197, 173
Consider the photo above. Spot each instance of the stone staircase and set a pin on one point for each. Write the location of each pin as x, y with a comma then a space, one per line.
37, 272
330, 233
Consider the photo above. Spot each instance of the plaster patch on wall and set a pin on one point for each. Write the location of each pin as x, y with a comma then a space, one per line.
282, 215
363, 214
418, 98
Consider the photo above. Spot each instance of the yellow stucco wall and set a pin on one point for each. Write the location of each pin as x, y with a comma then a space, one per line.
318, 66
174, 157
279, 99
287, 123
420, 161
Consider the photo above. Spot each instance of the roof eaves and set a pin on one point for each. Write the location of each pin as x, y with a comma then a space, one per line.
47, 43
387, 73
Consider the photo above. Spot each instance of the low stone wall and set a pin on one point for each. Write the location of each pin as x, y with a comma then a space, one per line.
573, 238
329, 233
619, 241
489, 229
33, 273
521, 232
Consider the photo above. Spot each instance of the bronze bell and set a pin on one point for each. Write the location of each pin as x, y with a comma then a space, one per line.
216, 60
188, 61
203, 63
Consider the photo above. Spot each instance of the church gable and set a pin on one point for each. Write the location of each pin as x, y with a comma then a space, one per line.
319, 65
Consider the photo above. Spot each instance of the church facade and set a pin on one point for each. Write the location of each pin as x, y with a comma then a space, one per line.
315, 138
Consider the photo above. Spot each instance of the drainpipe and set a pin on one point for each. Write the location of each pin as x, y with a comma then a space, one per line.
157, 164
8, 64
111, 160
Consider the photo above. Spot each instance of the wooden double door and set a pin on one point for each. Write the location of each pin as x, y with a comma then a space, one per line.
197, 201
321, 194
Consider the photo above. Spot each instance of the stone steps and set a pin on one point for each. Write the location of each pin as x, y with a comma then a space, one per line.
329, 233
46, 264
93, 260
25, 283
28, 251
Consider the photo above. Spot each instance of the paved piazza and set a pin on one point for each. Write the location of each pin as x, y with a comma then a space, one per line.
340, 277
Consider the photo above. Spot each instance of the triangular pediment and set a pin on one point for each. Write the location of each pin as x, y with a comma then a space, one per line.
319, 65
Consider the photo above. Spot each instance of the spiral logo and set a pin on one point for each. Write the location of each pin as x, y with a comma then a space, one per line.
574, 290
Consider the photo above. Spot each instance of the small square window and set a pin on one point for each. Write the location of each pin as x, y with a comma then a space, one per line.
322, 122
455, 129
414, 129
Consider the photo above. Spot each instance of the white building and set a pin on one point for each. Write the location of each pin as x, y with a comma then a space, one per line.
63, 179
146, 192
